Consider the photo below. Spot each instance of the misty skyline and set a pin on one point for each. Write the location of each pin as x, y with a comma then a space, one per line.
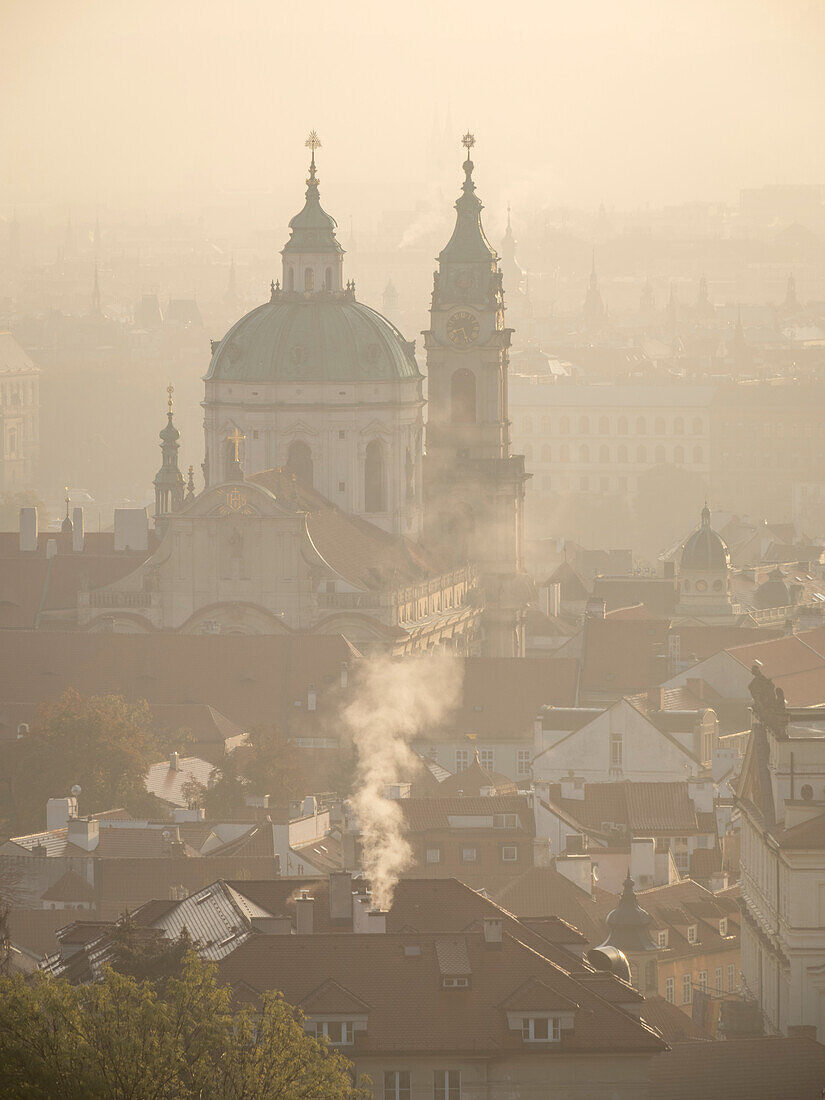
628, 104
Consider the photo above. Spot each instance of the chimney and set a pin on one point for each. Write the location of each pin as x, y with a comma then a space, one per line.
361, 909
643, 860
655, 698
77, 530
349, 850
84, 833
28, 530
131, 529
312, 697
272, 926
340, 897
718, 881
304, 913
377, 923
174, 762
576, 869
344, 674
492, 930
572, 787
59, 812
51, 548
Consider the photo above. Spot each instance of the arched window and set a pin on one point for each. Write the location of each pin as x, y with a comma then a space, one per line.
604, 454
299, 462
641, 454
697, 425
545, 453
621, 454
641, 426
584, 425
309, 279
659, 426
545, 425
679, 455
698, 455
564, 426
604, 426
527, 425
290, 278
622, 426
584, 453
374, 489
463, 397
678, 426
659, 456
328, 279
564, 453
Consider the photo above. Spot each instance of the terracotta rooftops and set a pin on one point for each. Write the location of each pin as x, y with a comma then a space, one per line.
637, 808
400, 980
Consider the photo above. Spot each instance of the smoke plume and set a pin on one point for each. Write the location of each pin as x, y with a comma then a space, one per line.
394, 701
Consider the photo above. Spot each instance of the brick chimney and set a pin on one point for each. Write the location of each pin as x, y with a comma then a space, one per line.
340, 897
304, 914
492, 930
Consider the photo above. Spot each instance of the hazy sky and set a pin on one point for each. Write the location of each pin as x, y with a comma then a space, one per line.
150, 102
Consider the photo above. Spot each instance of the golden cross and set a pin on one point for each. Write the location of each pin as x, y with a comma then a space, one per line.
468, 141
170, 389
313, 142
236, 438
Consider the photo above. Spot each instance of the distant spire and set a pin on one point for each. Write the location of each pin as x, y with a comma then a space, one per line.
66, 526
96, 311
706, 514
168, 479
190, 486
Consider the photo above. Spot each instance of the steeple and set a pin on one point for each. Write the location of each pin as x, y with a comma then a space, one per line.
791, 303
513, 277
468, 244
168, 479
594, 310
66, 527
628, 924
312, 257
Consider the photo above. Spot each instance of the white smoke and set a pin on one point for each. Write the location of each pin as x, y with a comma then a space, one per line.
394, 701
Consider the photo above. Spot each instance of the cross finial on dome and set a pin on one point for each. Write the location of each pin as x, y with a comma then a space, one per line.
170, 389
468, 141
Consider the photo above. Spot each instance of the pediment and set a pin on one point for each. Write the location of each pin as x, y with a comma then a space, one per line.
300, 427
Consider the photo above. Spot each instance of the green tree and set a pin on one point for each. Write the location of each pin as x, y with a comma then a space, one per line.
102, 743
123, 1039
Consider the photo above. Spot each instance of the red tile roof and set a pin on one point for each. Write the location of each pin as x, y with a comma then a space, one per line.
640, 808
409, 1009
618, 654
741, 1069
423, 815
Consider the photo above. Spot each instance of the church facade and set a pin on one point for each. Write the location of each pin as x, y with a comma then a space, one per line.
347, 527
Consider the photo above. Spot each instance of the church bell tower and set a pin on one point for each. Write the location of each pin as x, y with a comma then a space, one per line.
474, 487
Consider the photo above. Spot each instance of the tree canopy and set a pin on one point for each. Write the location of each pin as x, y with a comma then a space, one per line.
124, 1039
102, 743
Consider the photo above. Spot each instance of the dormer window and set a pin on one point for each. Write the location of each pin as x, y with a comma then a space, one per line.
338, 1033
541, 1029
456, 982
661, 938
693, 933
505, 821
723, 926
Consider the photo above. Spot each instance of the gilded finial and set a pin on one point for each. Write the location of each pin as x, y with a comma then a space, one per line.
468, 141
312, 143
68, 501
170, 389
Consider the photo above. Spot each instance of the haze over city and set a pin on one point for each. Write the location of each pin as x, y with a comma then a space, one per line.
412, 551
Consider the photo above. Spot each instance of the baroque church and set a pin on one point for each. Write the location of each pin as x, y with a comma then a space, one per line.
323, 510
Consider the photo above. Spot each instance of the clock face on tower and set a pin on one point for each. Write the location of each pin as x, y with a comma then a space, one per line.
462, 328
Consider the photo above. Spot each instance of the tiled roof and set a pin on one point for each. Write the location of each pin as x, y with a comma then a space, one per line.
805, 837
409, 1009
702, 642
741, 1069
535, 996
618, 654
473, 780
332, 998
69, 887
30, 582
423, 815
253, 679
679, 905
168, 783
791, 654
34, 930
675, 1026
640, 808
453, 957
544, 892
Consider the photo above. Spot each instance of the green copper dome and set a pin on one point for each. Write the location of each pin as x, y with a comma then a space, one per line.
322, 337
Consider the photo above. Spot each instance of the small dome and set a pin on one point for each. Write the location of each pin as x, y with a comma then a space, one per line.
323, 337
169, 433
628, 923
774, 592
705, 550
